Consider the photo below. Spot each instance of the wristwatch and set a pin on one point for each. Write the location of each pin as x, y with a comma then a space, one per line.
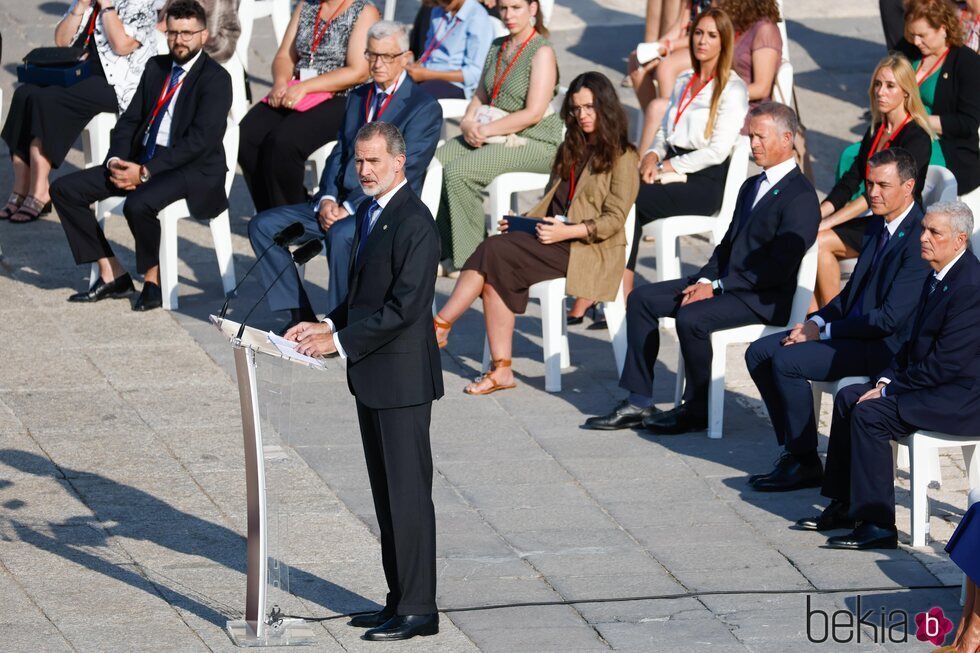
660, 166
144, 175
717, 288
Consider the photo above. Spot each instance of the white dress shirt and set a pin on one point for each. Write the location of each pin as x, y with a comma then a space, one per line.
163, 136
382, 202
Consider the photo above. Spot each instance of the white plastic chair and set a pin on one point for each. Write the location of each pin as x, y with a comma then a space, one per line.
720, 340
279, 10
940, 186
170, 215
668, 231
782, 90
239, 101
432, 186
453, 108
318, 160
615, 311
95, 139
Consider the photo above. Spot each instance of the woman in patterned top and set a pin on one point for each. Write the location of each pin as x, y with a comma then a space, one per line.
508, 127
320, 59
44, 122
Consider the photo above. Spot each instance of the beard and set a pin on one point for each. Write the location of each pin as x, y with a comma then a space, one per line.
381, 187
180, 60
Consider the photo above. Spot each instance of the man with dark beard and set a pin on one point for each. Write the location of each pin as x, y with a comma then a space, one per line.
165, 147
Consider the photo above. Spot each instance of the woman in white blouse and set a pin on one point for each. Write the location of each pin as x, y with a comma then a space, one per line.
707, 110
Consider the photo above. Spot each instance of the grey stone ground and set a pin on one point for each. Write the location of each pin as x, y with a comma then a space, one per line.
121, 473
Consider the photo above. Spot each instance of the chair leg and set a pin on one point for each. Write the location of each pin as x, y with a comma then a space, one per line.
716, 393
552, 337
168, 262
221, 235
935, 468
679, 380
668, 266
616, 324
566, 357
920, 499
972, 462
902, 459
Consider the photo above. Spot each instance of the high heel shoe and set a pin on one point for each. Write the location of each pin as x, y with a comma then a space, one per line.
572, 320
13, 204
442, 324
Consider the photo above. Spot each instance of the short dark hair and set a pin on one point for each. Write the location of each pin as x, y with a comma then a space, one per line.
902, 158
187, 9
394, 141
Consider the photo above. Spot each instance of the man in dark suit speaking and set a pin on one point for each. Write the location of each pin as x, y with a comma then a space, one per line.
165, 147
750, 278
931, 384
855, 334
383, 328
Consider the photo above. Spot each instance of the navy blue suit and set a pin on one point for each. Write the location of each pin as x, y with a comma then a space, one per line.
419, 118
860, 344
934, 380
757, 261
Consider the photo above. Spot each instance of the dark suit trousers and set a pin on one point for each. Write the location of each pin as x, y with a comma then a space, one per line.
695, 323
859, 459
73, 194
892, 22
783, 376
399, 464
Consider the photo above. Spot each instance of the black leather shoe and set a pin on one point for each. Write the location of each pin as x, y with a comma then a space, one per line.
682, 419
118, 287
866, 536
404, 626
150, 298
833, 517
791, 474
624, 416
372, 620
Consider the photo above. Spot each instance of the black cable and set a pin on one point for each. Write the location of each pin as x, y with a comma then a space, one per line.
655, 597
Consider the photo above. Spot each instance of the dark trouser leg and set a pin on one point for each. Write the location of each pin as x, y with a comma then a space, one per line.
142, 209
758, 360
288, 292
254, 129
340, 248
644, 307
441, 89
837, 472
17, 132
874, 424
892, 21
72, 196
60, 114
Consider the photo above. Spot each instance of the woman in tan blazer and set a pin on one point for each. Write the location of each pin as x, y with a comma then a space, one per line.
581, 237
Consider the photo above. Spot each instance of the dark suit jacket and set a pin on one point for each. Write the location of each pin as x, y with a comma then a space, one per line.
416, 114
199, 120
934, 376
891, 294
763, 256
385, 322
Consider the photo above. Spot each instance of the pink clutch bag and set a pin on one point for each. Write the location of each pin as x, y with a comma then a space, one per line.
309, 101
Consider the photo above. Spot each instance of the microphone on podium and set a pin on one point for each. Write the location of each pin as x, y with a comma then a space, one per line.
284, 238
301, 256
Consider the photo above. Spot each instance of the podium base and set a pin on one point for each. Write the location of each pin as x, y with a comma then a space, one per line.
288, 632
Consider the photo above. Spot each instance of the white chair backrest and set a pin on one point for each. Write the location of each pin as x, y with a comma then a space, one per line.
453, 107
940, 186
246, 16
630, 228
806, 279
782, 29
738, 170
432, 186
230, 143
239, 102
498, 27
162, 46
782, 89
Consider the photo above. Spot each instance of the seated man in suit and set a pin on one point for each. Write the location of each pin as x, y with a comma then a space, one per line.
855, 334
392, 97
931, 384
750, 278
165, 147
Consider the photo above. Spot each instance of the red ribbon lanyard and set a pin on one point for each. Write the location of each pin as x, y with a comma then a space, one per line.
682, 107
571, 186
888, 143
91, 24
498, 79
319, 34
384, 105
936, 65
437, 42
165, 96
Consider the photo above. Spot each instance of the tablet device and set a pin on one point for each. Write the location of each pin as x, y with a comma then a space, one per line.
521, 223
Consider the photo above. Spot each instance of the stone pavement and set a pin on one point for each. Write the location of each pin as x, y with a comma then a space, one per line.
121, 473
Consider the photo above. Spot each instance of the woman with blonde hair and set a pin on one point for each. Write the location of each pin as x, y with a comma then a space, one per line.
898, 119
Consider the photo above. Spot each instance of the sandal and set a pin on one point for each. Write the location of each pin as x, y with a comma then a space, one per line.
442, 324
494, 386
31, 209
13, 203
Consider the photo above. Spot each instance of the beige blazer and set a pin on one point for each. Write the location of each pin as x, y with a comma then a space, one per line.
595, 267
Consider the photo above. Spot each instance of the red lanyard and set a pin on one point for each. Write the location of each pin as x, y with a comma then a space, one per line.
681, 105
571, 186
91, 25
888, 143
165, 96
498, 79
384, 105
318, 34
437, 42
936, 65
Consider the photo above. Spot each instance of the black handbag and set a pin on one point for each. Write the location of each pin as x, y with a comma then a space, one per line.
54, 67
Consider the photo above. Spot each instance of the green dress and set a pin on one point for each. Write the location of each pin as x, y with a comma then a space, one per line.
468, 171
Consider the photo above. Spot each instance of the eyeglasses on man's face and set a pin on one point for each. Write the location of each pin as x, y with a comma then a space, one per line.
183, 35
386, 57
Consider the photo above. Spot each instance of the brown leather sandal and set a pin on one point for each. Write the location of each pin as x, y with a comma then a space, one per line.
494, 386
442, 324
13, 203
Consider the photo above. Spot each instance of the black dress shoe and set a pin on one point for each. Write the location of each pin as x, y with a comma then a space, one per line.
624, 416
834, 516
150, 298
866, 536
404, 626
118, 287
791, 474
682, 419
371, 620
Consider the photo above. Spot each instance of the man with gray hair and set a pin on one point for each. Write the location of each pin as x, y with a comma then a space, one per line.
931, 385
391, 96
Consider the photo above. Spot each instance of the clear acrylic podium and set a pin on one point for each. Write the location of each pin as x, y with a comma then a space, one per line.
267, 524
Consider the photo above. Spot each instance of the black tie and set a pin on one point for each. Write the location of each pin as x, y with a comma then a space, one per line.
366, 226
933, 284
378, 102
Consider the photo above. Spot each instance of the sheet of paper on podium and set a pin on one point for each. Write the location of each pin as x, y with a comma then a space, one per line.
288, 349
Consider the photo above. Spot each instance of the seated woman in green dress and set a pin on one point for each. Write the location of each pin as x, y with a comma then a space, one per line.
509, 126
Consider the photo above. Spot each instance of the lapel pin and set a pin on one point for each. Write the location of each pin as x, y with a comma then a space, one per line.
945, 288
384, 227
945, 75
901, 234
775, 192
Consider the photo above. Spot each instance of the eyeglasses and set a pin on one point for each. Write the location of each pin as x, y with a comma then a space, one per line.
385, 57
584, 108
182, 35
